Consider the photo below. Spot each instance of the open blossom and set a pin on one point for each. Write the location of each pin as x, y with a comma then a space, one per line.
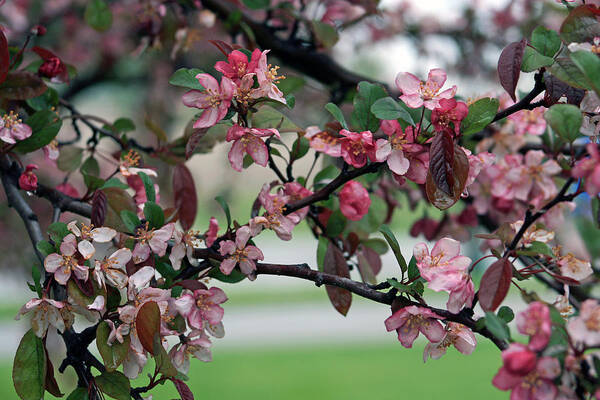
214, 100
323, 142
28, 180
268, 78
46, 312
411, 320
532, 234
112, 269
585, 328
151, 240
202, 305
526, 375
273, 218
589, 170
296, 192
399, 149
88, 234
237, 65
62, 265
416, 93
354, 201
197, 344
12, 128
449, 112
462, 292
444, 266
357, 147
535, 322
529, 121
130, 165
248, 140
457, 335
51, 151
573, 267
239, 253
184, 243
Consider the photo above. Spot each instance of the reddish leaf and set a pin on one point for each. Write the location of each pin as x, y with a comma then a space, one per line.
460, 170
22, 85
86, 287
186, 200
147, 325
367, 273
4, 57
580, 25
335, 263
224, 47
183, 390
566, 280
99, 208
191, 284
441, 160
509, 66
50, 384
373, 258
494, 284
190, 146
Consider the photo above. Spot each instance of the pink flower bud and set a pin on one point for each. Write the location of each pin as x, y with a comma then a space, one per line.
520, 361
354, 201
38, 30
28, 180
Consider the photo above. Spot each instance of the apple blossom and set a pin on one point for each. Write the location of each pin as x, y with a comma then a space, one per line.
247, 140
323, 142
239, 253
112, 269
51, 151
274, 219
202, 305
535, 322
62, 265
354, 201
411, 320
529, 121
12, 128
416, 93
444, 266
46, 312
237, 65
151, 240
88, 234
296, 192
457, 335
184, 243
532, 234
399, 149
356, 147
461, 292
197, 344
130, 166
573, 267
449, 111
28, 180
585, 328
589, 170
268, 79
211, 234
214, 99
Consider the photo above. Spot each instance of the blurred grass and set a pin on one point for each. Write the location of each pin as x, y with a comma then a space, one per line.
344, 371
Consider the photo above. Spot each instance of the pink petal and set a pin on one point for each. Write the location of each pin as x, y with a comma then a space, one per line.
53, 262
227, 265
241, 237
398, 163
236, 155
257, 150
407, 83
436, 79
433, 330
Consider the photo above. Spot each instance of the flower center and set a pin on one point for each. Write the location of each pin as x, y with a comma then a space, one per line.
271, 74
593, 322
214, 98
427, 91
11, 119
131, 159
240, 254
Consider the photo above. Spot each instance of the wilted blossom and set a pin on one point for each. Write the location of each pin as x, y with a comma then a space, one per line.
46, 312
585, 328
573, 267
449, 112
151, 240
183, 245
535, 322
357, 147
411, 320
13, 129
323, 142
214, 100
62, 265
586, 46
197, 344
88, 234
248, 140
130, 165
354, 201
525, 375
532, 234
202, 305
237, 65
416, 93
457, 335
273, 218
589, 170
268, 78
51, 151
28, 180
112, 269
240, 253
444, 266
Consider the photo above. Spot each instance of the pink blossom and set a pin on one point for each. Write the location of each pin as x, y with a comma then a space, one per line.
356, 147
51, 151
462, 292
151, 241
449, 112
46, 312
411, 320
68, 189
529, 121
268, 79
112, 269
525, 375
247, 140
532, 234
457, 335
136, 183
354, 201
87, 235
416, 93
274, 219
183, 245
589, 170
323, 142
296, 192
214, 100
52, 67
197, 344
535, 322
237, 65
399, 149
585, 328
13, 129
202, 305
211, 234
28, 180
443, 268
239, 253
62, 265
478, 162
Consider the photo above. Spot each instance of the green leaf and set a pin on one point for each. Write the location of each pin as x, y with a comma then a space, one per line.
387, 108
413, 270
497, 326
336, 224
48, 99
29, 367
337, 114
321, 250
481, 114
44, 127
45, 248
130, 220
58, 231
326, 174
391, 239
565, 120
79, 393
378, 245
154, 214
367, 95
98, 15
589, 64
326, 35
69, 158
234, 277
122, 125
186, 77
545, 41
162, 359
300, 148
533, 60
148, 186
114, 354
114, 384
565, 69
225, 207
90, 167
114, 183
36, 275
268, 117
506, 314
257, 4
